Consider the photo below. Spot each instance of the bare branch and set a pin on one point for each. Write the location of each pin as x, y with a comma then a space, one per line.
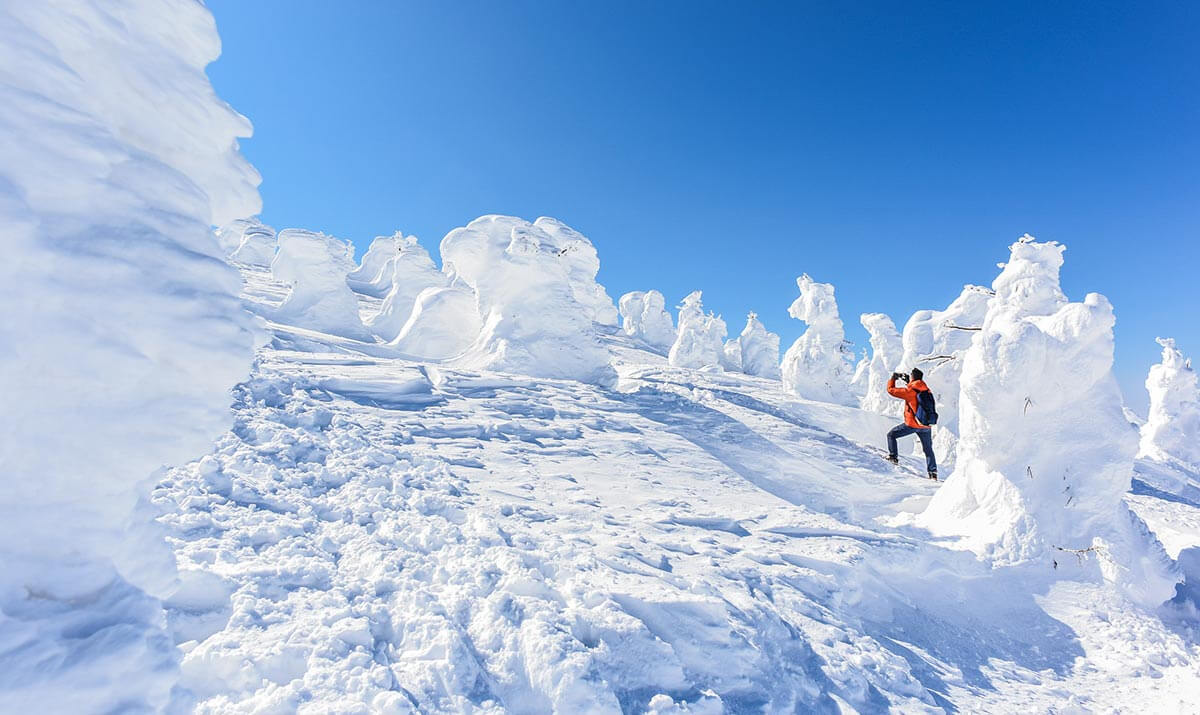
952, 326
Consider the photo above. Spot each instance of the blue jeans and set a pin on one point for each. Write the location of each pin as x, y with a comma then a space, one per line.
926, 437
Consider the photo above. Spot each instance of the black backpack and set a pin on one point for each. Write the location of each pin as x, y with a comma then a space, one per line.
926, 408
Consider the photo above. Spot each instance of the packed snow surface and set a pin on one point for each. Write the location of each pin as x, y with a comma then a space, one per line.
817, 365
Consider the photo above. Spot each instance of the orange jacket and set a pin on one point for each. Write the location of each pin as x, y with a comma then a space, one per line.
909, 395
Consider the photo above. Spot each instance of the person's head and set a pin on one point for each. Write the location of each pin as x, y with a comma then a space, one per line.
916, 374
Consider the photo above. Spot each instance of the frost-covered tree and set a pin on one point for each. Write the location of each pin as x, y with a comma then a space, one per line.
757, 349
373, 276
582, 264
248, 240
700, 339
886, 352
644, 316
409, 272
1172, 430
1045, 454
817, 366
315, 266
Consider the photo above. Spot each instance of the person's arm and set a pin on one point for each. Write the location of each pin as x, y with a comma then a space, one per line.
901, 392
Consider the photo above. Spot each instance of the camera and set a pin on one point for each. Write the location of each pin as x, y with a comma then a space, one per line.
902, 376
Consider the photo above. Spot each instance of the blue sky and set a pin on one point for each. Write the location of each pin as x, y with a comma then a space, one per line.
893, 149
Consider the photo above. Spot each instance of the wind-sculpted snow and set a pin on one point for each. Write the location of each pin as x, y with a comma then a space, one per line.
122, 332
408, 272
817, 366
583, 263
315, 266
700, 339
527, 282
255, 242
373, 276
1172, 430
757, 350
443, 325
886, 352
644, 316
1045, 453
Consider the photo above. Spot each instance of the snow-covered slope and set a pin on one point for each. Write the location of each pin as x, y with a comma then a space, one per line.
383, 535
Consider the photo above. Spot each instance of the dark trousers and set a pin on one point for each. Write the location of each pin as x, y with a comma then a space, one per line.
926, 437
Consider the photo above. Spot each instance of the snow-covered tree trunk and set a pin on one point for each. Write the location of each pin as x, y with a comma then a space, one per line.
818, 365
700, 341
886, 351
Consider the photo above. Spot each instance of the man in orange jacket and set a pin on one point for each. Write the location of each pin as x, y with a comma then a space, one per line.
911, 426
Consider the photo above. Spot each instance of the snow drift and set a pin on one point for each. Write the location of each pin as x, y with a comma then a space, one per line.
116, 158
700, 339
644, 316
817, 366
1045, 454
886, 352
1171, 433
407, 273
315, 265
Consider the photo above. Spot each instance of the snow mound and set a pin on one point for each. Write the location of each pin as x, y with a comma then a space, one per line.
373, 276
315, 266
935, 340
117, 160
1045, 455
409, 272
583, 263
1172, 430
886, 353
700, 339
644, 316
756, 350
443, 325
526, 279
817, 366
256, 242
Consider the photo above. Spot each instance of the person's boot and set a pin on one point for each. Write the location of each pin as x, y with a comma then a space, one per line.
893, 459
933, 474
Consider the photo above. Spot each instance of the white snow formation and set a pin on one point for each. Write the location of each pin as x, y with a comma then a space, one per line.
1045, 454
408, 272
528, 286
1171, 433
122, 332
700, 340
582, 264
757, 349
817, 366
315, 266
935, 341
443, 325
731, 355
256, 243
644, 316
886, 353
373, 276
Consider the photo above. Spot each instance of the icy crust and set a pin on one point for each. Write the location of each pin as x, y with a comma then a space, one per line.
315, 266
1171, 433
817, 366
407, 273
756, 349
700, 340
1045, 454
644, 316
117, 159
528, 283
935, 341
886, 355
373, 276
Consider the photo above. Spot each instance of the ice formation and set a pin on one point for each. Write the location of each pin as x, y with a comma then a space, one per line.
582, 263
644, 316
700, 338
256, 246
758, 349
527, 283
817, 366
1045, 454
443, 325
315, 266
1171, 433
934, 341
373, 276
408, 272
117, 159
886, 352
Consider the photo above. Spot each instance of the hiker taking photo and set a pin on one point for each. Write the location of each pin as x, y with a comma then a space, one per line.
920, 413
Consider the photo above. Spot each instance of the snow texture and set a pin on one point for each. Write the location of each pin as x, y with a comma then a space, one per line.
700, 340
122, 332
1045, 454
408, 272
817, 366
256, 245
1171, 433
644, 316
886, 353
529, 280
757, 350
315, 265
443, 325
373, 276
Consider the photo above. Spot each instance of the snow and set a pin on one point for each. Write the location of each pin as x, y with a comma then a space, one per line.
1171, 433
582, 263
817, 365
315, 266
444, 323
757, 350
407, 273
644, 316
255, 244
122, 333
886, 358
373, 276
1045, 454
699, 341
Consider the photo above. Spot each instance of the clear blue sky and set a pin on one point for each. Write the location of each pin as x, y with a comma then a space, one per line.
893, 149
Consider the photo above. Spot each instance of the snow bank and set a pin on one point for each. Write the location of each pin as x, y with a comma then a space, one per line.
935, 341
817, 366
757, 349
527, 282
116, 158
373, 276
700, 339
315, 266
408, 272
255, 242
1045, 454
886, 352
644, 316
1172, 430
